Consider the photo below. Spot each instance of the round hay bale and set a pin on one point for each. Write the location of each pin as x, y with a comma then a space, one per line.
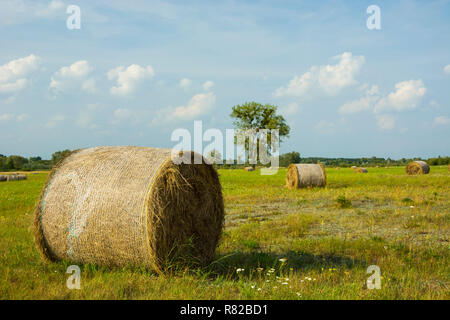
417, 167
129, 206
305, 175
249, 169
12, 177
3, 178
361, 170
21, 177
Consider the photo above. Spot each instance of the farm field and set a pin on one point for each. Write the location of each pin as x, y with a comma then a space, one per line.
277, 243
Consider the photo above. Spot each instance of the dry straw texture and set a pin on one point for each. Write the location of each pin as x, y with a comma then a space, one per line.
418, 167
305, 175
120, 206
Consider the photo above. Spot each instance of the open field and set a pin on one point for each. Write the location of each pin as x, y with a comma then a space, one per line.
329, 237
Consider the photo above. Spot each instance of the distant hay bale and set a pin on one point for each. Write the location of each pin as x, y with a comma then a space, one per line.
129, 206
15, 177
3, 178
249, 169
417, 167
305, 175
354, 167
12, 177
360, 170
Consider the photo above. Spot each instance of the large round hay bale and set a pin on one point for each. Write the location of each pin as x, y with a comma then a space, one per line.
417, 167
305, 175
21, 177
3, 178
249, 169
129, 206
360, 170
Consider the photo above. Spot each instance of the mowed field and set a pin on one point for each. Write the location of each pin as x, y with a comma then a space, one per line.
277, 243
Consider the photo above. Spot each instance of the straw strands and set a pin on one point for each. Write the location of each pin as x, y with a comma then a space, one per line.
120, 206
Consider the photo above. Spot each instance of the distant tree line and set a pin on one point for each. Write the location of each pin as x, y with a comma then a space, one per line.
19, 163
294, 157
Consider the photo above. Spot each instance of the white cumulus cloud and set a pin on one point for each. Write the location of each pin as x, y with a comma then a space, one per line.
363, 104
13, 75
73, 76
331, 78
407, 96
297, 86
128, 78
198, 105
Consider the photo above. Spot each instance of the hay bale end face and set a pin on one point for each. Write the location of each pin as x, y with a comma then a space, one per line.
305, 175
417, 167
249, 169
129, 206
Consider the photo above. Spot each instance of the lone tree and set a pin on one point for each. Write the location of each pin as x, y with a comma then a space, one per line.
256, 116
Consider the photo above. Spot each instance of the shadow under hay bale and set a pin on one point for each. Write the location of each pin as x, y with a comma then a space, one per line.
129, 206
417, 167
305, 175
249, 169
360, 170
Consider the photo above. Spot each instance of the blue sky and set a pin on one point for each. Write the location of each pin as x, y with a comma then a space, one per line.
137, 70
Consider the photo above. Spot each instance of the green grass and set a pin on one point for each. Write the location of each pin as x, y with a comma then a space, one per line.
329, 237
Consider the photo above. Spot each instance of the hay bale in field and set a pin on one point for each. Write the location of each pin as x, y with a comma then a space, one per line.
360, 170
249, 169
417, 167
305, 175
3, 178
12, 177
21, 177
129, 206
